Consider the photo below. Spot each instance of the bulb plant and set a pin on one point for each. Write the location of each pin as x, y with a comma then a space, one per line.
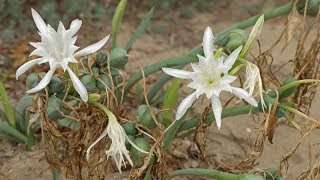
81, 103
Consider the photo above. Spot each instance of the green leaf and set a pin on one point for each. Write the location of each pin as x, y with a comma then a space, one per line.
12, 132
116, 21
170, 102
7, 106
21, 112
69, 123
140, 29
218, 175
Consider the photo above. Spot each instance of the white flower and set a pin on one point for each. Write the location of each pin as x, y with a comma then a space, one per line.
252, 78
210, 77
118, 137
58, 49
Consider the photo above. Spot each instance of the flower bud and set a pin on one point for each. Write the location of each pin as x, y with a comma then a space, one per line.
106, 79
89, 82
137, 156
94, 96
95, 70
118, 58
127, 143
236, 38
32, 80
102, 57
255, 32
145, 117
55, 85
312, 7
129, 128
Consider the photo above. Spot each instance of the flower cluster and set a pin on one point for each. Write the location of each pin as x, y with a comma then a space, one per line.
58, 49
210, 77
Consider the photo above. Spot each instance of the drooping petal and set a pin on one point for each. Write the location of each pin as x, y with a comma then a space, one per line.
178, 73
78, 86
92, 48
217, 109
75, 26
44, 81
232, 57
41, 25
185, 105
207, 42
26, 66
243, 94
103, 134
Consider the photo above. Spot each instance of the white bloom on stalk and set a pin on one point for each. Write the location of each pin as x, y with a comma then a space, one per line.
57, 48
253, 77
210, 77
118, 137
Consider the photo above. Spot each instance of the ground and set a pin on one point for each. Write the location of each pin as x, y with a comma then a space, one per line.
225, 146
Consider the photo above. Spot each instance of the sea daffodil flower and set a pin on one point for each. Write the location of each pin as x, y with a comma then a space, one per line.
253, 77
57, 48
118, 137
210, 77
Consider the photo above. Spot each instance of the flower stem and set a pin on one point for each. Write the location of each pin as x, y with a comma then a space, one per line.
103, 108
192, 55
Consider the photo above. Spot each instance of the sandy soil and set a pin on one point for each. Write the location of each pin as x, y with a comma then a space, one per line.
226, 146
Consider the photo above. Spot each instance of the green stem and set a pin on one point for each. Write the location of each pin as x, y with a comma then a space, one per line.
192, 55
103, 108
225, 113
219, 175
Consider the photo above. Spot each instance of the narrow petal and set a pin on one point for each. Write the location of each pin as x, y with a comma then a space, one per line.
92, 48
185, 105
228, 79
207, 42
217, 109
243, 94
177, 73
44, 81
61, 27
199, 91
78, 86
41, 25
26, 66
75, 26
104, 133
232, 57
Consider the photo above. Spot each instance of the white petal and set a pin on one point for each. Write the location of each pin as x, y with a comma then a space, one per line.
44, 81
193, 85
207, 42
232, 57
75, 26
185, 105
104, 133
78, 86
202, 60
177, 73
26, 66
243, 94
228, 79
41, 25
217, 109
92, 48
199, 91
61, 27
